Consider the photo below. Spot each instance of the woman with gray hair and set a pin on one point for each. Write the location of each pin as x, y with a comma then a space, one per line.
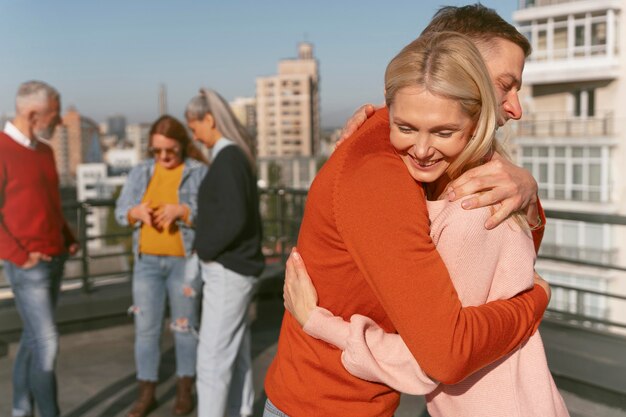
228, 245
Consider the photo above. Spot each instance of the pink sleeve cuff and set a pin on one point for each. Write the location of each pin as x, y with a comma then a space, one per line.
324, 326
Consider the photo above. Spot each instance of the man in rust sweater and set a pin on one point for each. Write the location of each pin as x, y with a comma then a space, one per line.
365, 240
34, 242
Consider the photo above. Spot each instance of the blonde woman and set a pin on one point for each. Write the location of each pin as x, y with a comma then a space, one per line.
442, 116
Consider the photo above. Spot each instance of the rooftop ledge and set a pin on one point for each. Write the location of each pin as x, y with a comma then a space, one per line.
569, 70
564, 8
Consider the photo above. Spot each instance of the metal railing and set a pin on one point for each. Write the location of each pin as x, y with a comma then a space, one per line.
577, 312
107, 257
564, 125
282, 210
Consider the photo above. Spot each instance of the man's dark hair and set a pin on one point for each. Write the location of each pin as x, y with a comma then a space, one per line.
477, 22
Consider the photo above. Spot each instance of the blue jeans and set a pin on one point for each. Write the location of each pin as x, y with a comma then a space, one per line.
154, 278
272, 411
224, 382
36, 292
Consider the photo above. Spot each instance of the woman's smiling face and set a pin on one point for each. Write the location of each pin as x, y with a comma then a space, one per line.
428, 132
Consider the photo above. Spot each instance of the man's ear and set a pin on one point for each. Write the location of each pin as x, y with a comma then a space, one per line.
32, 117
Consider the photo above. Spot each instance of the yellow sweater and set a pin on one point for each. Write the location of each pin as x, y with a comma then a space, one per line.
162, 189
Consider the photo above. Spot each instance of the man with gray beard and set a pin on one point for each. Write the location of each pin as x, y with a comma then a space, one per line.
34, 242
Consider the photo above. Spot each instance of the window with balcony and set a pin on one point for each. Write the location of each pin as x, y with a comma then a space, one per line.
570, 173
573, 36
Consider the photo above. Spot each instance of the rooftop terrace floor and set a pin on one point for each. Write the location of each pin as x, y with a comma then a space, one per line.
97, 378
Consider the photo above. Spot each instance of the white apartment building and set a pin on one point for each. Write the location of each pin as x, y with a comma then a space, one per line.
138, 135
291, 172
288, 107
93, 182
573, 139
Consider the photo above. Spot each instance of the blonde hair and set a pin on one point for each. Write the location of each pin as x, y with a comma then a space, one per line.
448, 65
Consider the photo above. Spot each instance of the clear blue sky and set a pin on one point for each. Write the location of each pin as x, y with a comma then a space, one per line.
109, 57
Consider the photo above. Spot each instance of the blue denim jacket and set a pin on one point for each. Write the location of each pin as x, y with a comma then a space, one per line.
136, 185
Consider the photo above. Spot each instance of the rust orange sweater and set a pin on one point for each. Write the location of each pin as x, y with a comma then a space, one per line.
365, 240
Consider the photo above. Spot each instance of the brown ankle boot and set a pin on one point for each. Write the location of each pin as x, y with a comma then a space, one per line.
184, 396
146, 402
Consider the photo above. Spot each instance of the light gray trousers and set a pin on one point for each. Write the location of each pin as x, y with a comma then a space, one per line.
224, 369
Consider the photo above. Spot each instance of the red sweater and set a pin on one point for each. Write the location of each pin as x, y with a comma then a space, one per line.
365, 240
30, 204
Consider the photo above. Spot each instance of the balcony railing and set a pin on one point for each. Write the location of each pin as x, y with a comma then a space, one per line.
282, 210
575, 304
110, 260
558, 124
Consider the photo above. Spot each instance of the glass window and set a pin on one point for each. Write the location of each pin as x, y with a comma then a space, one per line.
577, 174
595, 175
543, 173
549, 235
577, 195
595, 196
559, 173
598, 33
594, 236
569, 173
569, 233
595, 152
580, 36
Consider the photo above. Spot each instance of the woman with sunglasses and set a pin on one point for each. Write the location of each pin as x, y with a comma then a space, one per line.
159, 201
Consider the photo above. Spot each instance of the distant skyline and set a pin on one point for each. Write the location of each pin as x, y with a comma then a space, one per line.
109, 58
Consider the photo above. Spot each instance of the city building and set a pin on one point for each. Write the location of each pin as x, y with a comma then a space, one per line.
295, 172
245, 111
572, 139
120, 161
288, 107
137, 135
116, 125
75, 141
94, 182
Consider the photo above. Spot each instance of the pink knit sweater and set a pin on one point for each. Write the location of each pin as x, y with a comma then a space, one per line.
518, 385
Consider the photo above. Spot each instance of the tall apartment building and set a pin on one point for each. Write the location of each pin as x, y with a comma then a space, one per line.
244, 109
288, 107
573, 139
76, 141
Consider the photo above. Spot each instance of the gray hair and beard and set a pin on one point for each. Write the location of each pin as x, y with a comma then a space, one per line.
38, 95
33, 93
45, 133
